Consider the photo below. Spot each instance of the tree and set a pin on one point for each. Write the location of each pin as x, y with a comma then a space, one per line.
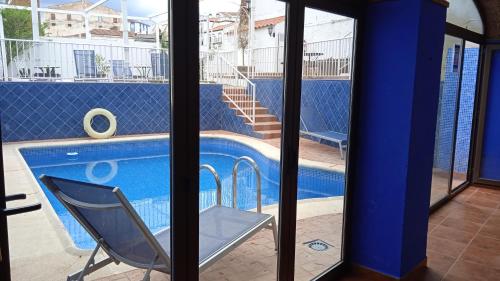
243, 27
17, 25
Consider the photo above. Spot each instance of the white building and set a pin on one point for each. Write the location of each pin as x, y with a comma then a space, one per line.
323, 34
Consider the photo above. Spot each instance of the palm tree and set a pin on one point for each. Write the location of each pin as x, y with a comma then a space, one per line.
243, 26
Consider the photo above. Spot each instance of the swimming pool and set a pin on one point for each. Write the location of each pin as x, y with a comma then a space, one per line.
142, 171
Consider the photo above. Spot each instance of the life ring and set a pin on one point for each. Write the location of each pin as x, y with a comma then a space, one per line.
89, 172
87, 123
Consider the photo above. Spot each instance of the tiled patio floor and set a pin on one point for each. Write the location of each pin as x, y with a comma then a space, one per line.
256, 259
464, 239
308, 149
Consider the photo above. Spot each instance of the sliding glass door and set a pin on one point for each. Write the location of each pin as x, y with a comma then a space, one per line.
324, 141
232, 152
455, 116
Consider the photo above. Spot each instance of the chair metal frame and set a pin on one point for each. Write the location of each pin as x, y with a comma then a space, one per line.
69, 203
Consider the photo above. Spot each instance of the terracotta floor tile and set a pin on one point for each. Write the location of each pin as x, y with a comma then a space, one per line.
460, 224
436, 219
486, 243
438, 262
491, 230
486, 196
472, 214
463, 270
482, 202
431, 227
452, 234
482, 256
445, 247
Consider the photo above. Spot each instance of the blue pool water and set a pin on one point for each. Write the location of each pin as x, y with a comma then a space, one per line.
142, 170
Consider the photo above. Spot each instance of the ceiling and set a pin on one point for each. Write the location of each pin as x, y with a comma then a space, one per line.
490, 12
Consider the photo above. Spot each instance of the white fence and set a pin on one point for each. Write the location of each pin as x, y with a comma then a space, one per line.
323, 59
26, 60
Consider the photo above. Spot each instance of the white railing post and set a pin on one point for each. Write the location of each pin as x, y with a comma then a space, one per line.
34, 20
3, 50
253, 103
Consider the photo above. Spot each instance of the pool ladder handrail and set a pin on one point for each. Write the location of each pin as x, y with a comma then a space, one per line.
217, 181
257, 175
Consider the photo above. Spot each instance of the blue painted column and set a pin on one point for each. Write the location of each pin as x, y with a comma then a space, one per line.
490, 154
400, 71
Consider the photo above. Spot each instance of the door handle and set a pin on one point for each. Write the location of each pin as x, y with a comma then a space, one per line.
19, 196
19, 210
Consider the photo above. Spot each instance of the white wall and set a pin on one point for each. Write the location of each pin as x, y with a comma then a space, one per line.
464, 13
264, 9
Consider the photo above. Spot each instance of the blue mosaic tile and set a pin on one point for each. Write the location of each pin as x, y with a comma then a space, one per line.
447, 112
36, 111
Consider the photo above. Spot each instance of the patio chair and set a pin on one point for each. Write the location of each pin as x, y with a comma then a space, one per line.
315, 127
85, 63
121, 70
113, 223
339, 138
160, 65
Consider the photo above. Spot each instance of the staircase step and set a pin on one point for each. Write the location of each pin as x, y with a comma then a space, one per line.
241, 102
258, 110
264, 126
265, 118
270, 134
230, 91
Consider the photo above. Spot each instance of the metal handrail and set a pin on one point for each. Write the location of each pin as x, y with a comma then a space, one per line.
237, 71
257, 175
217, 181
249, 87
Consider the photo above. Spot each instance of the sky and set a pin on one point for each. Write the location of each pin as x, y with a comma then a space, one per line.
147, 7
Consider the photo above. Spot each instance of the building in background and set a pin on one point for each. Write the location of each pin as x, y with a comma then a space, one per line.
73, 25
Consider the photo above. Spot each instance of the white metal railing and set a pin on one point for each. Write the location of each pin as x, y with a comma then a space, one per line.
28, 60
237, 87
325, 59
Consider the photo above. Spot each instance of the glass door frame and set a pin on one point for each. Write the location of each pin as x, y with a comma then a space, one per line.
185, 133
482, 107
184, 137
291, 126
465, 36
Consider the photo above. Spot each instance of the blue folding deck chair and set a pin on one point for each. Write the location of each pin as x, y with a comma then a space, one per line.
85, 64
121, 70
316, 127
160, 65
113, 223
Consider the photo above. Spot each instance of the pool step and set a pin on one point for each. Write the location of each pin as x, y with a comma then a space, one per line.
266, 126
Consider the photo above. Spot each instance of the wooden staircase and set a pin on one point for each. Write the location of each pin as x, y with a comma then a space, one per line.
267, 126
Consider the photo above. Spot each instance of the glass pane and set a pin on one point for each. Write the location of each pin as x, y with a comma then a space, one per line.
325, 115
241, 87
447, 110
465, 113
464, 13
90, 109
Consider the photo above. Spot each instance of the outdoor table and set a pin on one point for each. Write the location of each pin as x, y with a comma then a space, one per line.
48, 71
309, 55
143, 70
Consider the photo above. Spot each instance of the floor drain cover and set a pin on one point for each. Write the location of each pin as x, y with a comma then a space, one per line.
318, 245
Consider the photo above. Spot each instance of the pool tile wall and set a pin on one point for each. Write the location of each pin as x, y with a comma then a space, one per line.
447, 110
324, 105
44, 110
